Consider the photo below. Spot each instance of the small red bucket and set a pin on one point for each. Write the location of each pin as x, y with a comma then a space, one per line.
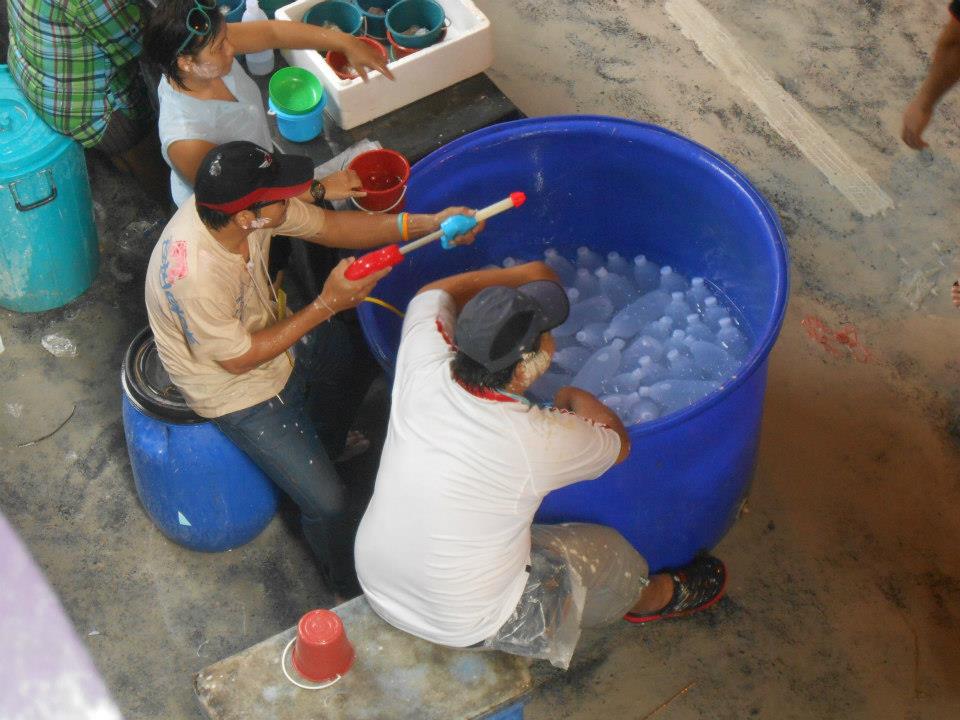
384, 174
399, 51
338, 61
322, 651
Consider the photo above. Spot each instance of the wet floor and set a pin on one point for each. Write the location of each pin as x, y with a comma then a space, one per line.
844, 599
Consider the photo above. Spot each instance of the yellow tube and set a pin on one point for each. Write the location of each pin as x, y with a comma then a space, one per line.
384, 304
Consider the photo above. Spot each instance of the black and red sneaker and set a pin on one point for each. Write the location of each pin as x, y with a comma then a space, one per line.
696, 586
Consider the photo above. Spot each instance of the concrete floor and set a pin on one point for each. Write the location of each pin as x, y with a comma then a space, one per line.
845, 583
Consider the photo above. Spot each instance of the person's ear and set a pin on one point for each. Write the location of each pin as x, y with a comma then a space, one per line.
185, 63
244, 219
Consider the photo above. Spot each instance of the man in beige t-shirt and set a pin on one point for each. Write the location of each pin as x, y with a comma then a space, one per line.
275, 386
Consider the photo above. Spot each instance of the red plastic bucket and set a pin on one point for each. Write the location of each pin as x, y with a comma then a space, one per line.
338, 61
384, 174
399, 51
322, 651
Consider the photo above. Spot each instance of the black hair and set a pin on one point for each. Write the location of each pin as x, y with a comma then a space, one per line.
258, 206
213, 219
167, 30
472, 373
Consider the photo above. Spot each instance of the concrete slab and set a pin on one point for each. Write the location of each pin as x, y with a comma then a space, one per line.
394, 677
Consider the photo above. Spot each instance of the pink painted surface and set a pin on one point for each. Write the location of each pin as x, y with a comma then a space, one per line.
45, 671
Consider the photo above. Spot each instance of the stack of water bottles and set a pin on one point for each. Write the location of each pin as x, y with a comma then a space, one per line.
641, 337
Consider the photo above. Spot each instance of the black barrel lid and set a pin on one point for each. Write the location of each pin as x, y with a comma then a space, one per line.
148, 386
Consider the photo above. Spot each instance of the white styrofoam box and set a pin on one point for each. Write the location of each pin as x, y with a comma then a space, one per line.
467, 49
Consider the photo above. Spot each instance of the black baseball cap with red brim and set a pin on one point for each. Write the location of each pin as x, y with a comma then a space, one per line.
236, 175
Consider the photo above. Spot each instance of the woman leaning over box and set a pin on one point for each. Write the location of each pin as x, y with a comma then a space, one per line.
207, 99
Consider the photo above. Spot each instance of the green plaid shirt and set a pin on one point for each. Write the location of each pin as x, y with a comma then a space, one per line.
75, 60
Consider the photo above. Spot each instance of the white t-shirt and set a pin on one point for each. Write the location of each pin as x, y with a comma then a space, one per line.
183, 117
442, 550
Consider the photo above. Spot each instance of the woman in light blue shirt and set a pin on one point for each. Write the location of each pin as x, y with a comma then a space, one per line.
207, 99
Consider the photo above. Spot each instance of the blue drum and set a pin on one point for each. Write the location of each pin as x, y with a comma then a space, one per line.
195, 484
616, 184
48, 252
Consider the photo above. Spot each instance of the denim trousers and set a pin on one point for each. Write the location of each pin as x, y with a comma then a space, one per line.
294, 435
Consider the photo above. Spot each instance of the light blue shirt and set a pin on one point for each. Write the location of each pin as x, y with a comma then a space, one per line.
183, 117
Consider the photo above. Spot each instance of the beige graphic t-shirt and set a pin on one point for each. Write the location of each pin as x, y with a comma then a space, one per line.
205, 303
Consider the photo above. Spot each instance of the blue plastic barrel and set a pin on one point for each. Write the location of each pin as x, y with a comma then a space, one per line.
619, 185
300, 128
48, 242
195, 484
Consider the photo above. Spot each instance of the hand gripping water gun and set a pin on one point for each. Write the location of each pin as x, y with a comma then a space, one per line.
450, 228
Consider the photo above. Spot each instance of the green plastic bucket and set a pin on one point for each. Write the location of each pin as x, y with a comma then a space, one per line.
295, 91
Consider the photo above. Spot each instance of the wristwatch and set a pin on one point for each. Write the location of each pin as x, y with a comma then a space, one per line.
317, 190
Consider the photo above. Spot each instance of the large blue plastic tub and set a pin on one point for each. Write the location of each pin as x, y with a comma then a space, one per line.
615, 184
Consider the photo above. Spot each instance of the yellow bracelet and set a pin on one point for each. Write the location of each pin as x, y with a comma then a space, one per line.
406, 227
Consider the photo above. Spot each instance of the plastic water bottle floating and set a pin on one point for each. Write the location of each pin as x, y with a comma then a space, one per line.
644, 337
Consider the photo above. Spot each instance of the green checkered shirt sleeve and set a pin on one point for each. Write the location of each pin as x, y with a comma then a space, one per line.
114, 25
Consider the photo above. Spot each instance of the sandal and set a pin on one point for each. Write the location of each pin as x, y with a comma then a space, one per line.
357, 444
696, 586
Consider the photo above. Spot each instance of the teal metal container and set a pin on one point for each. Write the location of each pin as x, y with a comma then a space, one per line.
48, 244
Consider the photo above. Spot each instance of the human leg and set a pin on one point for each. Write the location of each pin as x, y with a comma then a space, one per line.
132, 144
339, 371
280, 437
608, 566
614, 575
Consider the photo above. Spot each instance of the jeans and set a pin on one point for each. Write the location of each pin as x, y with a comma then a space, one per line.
293, 436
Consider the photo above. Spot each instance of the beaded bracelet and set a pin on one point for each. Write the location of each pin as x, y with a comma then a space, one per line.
403, 226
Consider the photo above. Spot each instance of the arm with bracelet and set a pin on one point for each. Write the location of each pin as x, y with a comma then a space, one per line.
457, 228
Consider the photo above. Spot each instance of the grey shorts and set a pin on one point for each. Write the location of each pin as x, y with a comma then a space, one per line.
581, 576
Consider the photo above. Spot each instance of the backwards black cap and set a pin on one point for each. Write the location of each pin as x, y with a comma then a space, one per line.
236, 175
500, 323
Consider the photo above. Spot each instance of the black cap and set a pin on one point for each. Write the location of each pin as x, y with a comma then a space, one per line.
236, 175
499, 323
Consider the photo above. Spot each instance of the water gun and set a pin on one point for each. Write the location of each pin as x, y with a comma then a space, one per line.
450, 229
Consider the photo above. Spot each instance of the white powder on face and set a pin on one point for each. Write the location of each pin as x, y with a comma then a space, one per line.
258, 223
206, 71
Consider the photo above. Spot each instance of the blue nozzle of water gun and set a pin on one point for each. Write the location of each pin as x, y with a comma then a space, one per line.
454, 226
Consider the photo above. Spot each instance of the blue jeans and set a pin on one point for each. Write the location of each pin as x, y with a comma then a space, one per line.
293, 436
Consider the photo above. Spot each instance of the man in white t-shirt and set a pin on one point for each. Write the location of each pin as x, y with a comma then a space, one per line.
446, 550
283, 389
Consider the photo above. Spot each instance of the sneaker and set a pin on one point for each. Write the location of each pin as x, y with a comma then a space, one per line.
696, 586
